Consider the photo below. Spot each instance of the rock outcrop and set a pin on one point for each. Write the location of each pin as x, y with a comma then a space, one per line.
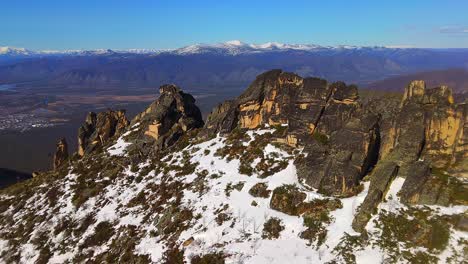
426, 134
99, 129
61, 153
337, 165
344, 140
338, 134
460, 148
167, 119
275, 97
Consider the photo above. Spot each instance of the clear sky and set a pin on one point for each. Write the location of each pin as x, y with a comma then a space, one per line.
118, 24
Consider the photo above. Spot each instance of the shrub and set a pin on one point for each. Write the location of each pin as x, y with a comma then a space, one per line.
103, 231
260, 190
211, 258
287, 199
272, 228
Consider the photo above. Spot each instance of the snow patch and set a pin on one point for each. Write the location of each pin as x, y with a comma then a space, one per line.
119, 147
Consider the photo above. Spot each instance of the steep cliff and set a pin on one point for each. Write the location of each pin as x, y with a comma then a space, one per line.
306, 105
339, 135
99, 129
421, 146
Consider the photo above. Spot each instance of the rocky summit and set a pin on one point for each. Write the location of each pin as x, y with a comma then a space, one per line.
294, 170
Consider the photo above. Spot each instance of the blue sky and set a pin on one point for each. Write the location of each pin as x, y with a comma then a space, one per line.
116, 24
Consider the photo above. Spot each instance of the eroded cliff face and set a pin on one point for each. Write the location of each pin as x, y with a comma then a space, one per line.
421, 146
340, 137
306, 105
166, 119
344, 140
99, 129
460, 157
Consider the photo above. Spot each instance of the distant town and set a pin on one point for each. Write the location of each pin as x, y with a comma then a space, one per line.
24, 122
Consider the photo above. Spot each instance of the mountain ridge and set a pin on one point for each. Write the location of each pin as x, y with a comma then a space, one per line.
232, 47
294, 169
213, 67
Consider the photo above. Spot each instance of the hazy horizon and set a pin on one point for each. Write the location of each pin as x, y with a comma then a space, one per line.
86, 25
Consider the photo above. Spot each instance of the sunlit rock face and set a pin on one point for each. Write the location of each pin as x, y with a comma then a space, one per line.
324, 117
344, 140
283, 98
460, 155
99, 128
428, 136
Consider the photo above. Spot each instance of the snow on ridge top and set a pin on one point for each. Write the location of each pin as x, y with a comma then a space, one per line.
232, 47
14, 51
235, 47
235, 43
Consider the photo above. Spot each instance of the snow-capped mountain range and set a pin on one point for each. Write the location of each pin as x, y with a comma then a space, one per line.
231, 63
234, 47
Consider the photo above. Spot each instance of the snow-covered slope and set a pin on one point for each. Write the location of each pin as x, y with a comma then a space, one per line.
194, 204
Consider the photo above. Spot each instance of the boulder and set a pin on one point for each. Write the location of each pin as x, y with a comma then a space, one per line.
287, 199
340, 138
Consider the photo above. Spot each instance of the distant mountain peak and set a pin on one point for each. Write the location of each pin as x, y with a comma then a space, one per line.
231, 47
14, 51
235, 43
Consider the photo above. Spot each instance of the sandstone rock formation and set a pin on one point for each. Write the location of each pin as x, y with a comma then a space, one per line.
326, 118
343, 139
61, 153
99, 129
167, 118
460, 149
277, 97
425, 137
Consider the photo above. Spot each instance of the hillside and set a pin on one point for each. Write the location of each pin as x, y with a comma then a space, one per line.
294, 170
